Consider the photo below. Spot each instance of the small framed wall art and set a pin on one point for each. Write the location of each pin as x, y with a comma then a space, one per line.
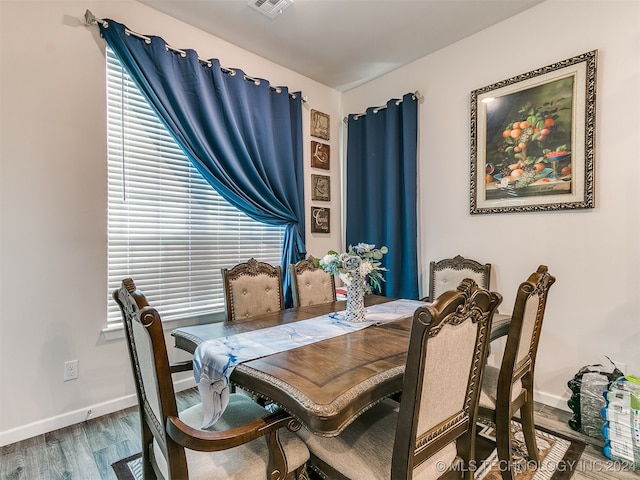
320, 187
320, 220
320, 155
319, 125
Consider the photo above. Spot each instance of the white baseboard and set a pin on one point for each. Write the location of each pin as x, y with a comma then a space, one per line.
40, 427
71, 418
552, 400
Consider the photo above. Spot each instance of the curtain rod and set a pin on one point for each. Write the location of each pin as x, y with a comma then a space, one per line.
90, 19
356, 116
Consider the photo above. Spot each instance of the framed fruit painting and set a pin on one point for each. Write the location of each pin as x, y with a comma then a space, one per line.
532, 140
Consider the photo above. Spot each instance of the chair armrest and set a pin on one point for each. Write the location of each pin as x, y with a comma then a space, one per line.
499, 326
211, 441
181, 366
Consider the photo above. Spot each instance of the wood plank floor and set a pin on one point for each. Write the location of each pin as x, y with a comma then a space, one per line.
85, 451
593, 465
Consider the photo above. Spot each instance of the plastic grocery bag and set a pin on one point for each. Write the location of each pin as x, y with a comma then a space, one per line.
587, 400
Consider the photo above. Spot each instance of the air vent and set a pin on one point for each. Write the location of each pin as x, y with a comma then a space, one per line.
270, 8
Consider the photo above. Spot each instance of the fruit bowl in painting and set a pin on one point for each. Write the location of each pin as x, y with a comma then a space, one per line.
557, 156
543, 173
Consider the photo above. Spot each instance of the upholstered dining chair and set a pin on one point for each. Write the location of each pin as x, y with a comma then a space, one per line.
510, 388
252, 288
248, 442
311, 284
433, 427
447, 273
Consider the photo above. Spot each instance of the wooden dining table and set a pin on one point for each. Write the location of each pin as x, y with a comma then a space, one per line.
325, 385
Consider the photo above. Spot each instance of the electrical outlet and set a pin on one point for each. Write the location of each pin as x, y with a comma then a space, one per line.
621, 366
70, 370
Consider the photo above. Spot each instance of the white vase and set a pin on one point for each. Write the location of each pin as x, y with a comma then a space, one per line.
355, 300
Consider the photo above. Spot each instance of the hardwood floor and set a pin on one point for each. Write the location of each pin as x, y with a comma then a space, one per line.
85, 451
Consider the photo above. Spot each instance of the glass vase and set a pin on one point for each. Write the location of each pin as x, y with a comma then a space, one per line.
355, 300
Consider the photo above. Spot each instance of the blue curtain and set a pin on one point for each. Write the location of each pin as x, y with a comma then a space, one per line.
244, 136
382, 189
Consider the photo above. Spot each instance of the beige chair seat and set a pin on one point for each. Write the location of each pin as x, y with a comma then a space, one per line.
489, 390
245, 462
363, 450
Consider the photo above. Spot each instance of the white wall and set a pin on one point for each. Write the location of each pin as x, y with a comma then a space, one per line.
53, 203
595, 255
53, 192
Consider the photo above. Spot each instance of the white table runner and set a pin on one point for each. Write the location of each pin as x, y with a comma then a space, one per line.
214, 360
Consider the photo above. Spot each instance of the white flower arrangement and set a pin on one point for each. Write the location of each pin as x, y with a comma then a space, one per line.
362, 259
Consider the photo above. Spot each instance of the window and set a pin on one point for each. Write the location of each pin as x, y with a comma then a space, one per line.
169, 229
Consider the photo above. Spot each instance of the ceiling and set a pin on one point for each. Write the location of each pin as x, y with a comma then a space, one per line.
343, 43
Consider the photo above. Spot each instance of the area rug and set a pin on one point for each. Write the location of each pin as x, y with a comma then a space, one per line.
559, 457
129, 468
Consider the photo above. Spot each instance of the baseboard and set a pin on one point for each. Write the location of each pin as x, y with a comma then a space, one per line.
18, 434
552, 400
40, 427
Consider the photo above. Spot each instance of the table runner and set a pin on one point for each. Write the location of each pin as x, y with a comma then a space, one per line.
214, 360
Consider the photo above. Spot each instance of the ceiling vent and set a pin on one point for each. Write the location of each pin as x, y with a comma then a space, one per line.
270, 8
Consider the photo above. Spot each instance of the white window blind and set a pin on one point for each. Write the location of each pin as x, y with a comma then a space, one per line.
169, 229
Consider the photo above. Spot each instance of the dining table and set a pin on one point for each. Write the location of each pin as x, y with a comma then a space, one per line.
326, 384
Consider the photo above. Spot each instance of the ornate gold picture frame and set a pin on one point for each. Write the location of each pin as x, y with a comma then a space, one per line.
532, 140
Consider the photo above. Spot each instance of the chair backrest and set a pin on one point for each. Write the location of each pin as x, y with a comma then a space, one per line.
165, 435
152, 373
445, 361
519, 358
447, 274
311, 284
252, 288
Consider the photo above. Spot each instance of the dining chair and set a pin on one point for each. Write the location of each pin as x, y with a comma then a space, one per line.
252, 288
431, 432
447, 273
247, 442
509, 389
311, 284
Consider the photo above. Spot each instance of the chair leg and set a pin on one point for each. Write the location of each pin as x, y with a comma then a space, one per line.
465, 445
529, 430
147, 452
503, 446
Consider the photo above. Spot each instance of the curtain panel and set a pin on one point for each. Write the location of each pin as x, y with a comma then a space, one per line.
243, 136
381, 183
